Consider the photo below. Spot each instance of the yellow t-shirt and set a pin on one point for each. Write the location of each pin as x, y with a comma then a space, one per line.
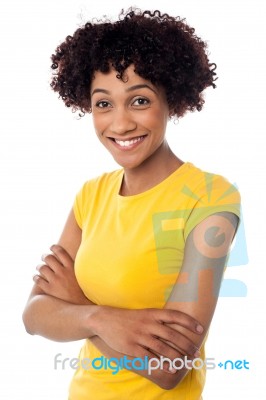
130, 256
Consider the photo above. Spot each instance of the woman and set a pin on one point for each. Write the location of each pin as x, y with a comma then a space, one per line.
149, 241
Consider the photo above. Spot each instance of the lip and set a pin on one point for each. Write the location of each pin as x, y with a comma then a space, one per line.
128, 147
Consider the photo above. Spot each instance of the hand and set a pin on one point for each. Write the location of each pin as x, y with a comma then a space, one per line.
140, 333
137, 333
57, 278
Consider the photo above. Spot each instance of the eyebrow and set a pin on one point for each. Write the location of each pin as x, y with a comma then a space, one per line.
130, 89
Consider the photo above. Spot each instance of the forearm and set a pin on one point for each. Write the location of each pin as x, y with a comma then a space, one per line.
59, 310
160, 377
58, 320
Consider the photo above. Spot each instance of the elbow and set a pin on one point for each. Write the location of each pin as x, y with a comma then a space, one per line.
27, 321
31, 315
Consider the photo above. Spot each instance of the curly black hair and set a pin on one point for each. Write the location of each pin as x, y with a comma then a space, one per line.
163, 50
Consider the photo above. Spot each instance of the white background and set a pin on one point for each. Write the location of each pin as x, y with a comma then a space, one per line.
46, 154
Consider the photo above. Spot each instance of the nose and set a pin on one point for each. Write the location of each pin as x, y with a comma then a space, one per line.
122, 122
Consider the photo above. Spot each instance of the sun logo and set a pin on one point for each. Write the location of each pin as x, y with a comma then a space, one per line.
238, 253
211, 194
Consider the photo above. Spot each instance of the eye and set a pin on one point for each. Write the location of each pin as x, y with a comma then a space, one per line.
141, 101
103, 104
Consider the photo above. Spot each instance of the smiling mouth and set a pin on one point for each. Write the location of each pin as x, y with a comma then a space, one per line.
128, 143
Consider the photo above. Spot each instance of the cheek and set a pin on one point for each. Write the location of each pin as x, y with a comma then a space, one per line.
150, 120
156, 121
98, 125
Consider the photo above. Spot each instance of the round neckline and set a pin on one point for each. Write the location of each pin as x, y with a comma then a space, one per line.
148, 192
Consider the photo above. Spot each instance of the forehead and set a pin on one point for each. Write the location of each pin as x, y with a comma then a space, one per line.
110, 81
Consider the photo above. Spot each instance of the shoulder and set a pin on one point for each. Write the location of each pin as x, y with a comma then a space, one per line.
94, 191
101, 182
208, 193
209, 187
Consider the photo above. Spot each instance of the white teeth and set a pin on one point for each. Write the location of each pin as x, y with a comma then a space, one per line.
126, 143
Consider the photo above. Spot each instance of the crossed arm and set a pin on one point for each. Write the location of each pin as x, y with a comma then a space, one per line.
58, 309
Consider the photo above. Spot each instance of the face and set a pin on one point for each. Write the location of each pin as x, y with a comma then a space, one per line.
129, 117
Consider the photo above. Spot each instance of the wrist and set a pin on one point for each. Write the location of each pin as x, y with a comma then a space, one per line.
95, 319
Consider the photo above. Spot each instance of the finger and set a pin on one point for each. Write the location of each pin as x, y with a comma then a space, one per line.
42, 283
144, 352
178, 317
171, 344
166, 365
52, 262
45, 272
62, 255
163, 349
180, 341
156, 362
179, 354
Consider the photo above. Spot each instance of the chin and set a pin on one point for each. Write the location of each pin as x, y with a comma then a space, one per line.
128, 166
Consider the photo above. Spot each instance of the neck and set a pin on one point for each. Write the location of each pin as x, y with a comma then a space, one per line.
150, 173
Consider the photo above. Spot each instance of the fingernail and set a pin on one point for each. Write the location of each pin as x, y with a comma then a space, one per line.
35, 278
43, 256
172, 370
199, 328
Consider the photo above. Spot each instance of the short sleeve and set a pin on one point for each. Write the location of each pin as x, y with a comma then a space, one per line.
79, 205
217, 195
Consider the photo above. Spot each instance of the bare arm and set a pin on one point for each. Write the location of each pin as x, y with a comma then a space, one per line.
55, 318
50, 311
194, 306
197, 287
